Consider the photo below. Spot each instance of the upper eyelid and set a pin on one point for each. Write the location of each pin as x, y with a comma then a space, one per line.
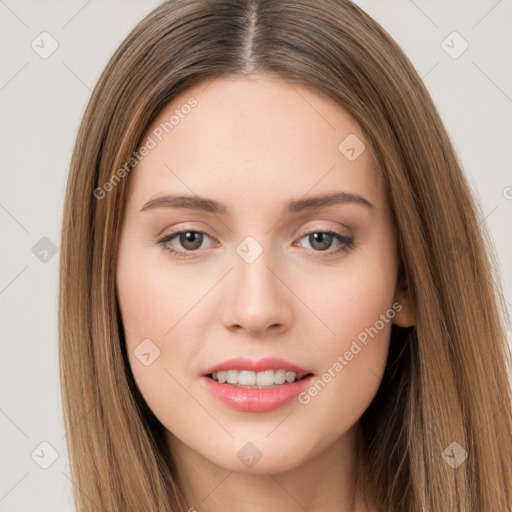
302, 232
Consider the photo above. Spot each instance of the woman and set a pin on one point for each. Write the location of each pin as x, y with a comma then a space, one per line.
275, 291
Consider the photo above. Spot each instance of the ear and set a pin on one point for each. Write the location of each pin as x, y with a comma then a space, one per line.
404, 316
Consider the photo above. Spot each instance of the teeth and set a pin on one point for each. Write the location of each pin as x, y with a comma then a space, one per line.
232, 376
245, 378
266, 378
280, 376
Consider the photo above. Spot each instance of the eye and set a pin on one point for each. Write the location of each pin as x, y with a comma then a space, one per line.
190, 240
321, 241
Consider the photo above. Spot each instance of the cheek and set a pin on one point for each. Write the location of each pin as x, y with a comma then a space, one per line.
162, 314
153, 296
351, 300
149, 311
357, 312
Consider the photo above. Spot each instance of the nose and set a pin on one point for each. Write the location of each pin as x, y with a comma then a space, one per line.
259, 300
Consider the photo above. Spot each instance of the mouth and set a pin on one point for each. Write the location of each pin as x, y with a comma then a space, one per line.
257, 380
256, 386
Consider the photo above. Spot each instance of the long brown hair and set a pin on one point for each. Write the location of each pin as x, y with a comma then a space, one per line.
446, 379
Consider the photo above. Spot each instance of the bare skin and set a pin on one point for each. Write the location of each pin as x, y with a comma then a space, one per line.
252, 144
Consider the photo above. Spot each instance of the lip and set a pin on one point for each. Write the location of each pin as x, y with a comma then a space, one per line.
267, 363
251, 399
256, 400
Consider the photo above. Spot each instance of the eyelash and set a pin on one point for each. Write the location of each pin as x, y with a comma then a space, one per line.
347, 243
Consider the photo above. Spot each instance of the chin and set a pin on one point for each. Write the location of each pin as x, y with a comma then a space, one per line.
259, 456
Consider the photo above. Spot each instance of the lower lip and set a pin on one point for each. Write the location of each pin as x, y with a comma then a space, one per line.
256, 400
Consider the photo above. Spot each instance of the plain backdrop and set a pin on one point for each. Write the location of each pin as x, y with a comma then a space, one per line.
42, 99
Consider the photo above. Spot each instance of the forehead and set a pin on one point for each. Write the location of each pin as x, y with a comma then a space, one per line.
242, 138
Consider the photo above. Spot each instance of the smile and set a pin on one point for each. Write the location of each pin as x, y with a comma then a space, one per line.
256, 386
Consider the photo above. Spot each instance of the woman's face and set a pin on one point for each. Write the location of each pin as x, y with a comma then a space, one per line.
287, 250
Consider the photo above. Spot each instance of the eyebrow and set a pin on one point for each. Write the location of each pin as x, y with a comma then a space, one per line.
314, 203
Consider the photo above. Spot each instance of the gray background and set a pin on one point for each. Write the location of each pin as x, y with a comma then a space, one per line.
42, 101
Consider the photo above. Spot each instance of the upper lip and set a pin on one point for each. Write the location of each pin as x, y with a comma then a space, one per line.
267, 363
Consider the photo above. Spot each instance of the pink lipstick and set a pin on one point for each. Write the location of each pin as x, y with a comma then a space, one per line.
256, 386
